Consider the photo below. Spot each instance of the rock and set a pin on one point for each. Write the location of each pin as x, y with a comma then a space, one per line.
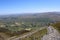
52, 34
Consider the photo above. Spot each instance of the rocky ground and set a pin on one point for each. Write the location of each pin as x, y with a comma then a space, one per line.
52, 34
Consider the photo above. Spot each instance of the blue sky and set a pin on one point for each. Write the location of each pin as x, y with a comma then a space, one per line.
28, 6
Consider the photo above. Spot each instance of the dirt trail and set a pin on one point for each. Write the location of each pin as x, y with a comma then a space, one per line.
52, 34
26, 35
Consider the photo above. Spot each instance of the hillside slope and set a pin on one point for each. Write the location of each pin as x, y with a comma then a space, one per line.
52, 34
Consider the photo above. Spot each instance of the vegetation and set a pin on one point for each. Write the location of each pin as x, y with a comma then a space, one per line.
36, 36
57, 26
19, 24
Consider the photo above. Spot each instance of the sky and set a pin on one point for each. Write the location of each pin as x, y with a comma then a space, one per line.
28, 6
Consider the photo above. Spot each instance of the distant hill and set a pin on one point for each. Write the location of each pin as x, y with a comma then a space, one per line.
52, 16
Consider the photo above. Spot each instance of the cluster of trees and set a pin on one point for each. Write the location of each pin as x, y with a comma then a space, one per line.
22, 26
24, 23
